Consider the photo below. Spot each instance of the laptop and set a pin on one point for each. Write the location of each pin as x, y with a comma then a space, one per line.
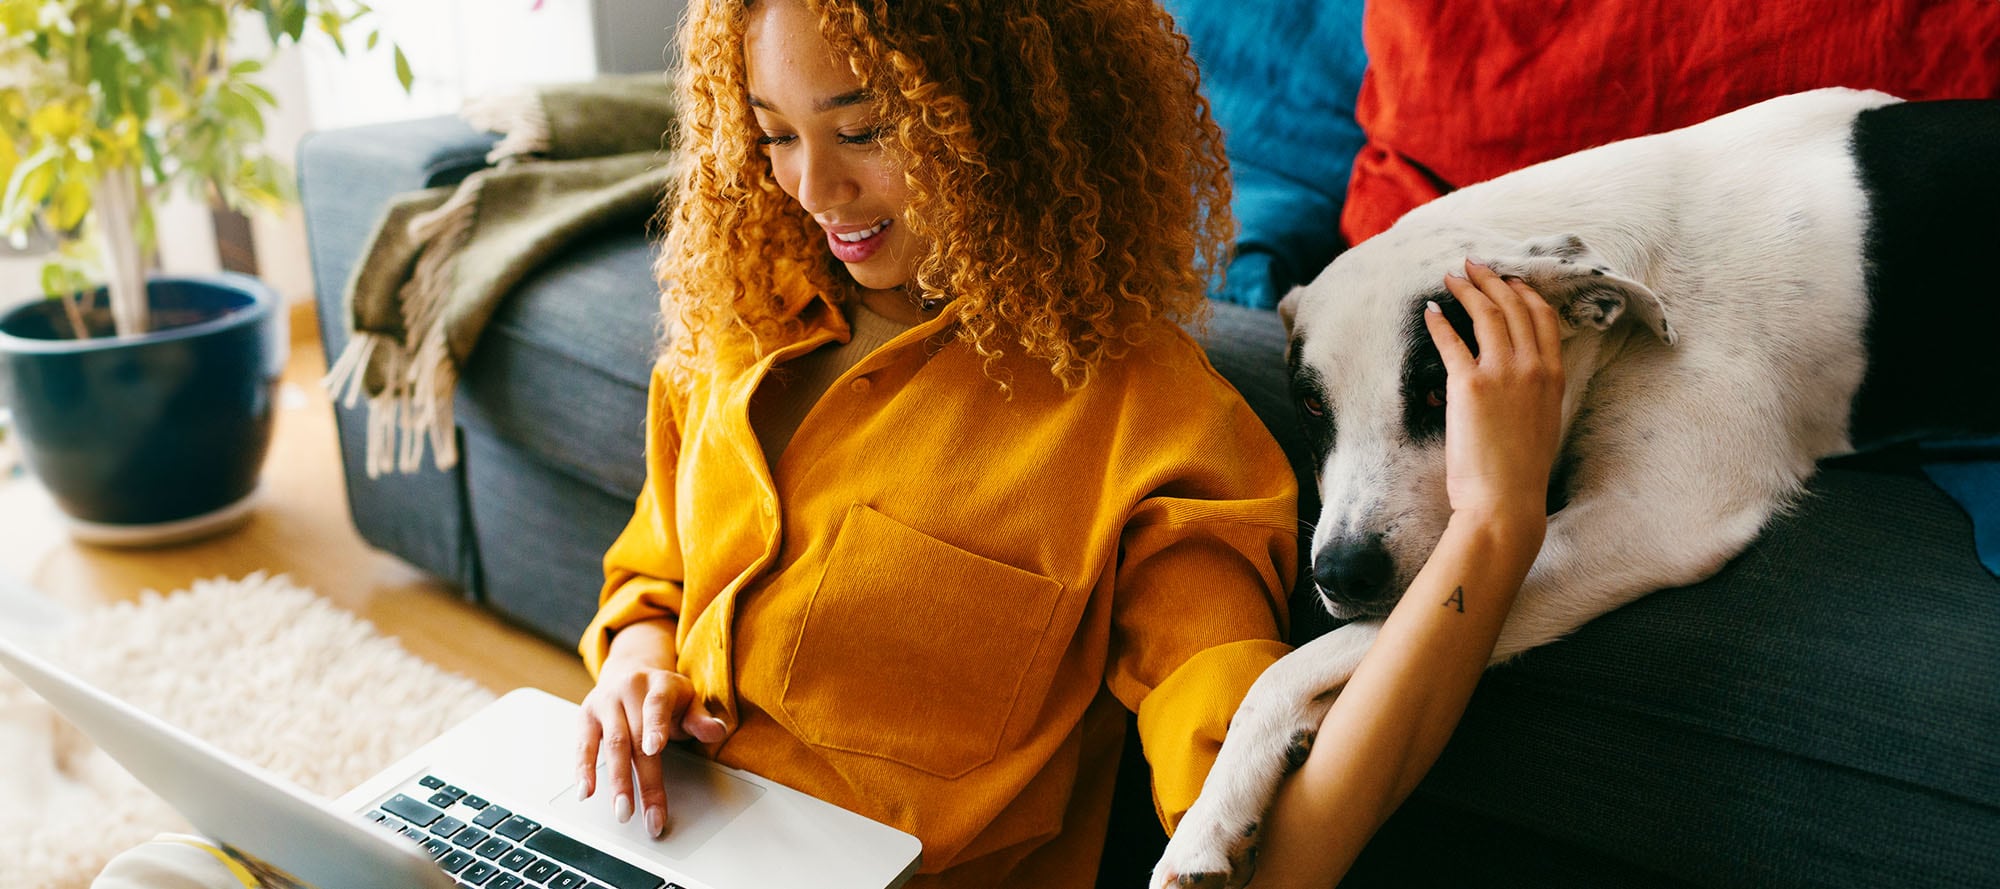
492, 804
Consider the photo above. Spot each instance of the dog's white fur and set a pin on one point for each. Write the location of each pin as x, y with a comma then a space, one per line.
1699, 395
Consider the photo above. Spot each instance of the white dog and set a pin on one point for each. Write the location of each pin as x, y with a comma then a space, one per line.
1739, 298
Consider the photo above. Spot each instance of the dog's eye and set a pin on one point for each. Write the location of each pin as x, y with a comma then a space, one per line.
1434, 398
1313, 405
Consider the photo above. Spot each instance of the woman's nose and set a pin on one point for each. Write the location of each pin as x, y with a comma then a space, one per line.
824, 181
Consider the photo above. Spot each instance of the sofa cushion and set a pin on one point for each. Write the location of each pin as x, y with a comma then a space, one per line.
1288, 120
1462, 91
561, 371
1804, 717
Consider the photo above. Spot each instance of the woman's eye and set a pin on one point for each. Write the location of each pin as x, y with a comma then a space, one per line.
862, 138
767, 141
1434, 398
1313, 406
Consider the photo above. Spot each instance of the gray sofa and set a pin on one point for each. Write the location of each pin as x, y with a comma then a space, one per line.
1824, 712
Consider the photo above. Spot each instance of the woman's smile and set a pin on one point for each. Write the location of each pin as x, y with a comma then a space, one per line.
855, 244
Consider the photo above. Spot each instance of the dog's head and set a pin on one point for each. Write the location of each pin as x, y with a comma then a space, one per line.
1369, 388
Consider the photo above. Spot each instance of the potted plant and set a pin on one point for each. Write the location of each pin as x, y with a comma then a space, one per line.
143, 405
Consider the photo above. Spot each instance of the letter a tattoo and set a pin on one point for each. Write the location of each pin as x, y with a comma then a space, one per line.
1457, 599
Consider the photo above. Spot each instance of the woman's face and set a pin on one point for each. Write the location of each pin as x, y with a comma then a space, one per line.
821, 133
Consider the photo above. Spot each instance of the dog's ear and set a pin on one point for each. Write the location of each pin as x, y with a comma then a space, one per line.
1585, 290
1288, 309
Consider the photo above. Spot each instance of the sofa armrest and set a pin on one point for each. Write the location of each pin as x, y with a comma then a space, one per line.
346, 180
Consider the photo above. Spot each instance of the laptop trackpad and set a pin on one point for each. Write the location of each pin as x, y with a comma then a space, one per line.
701, 800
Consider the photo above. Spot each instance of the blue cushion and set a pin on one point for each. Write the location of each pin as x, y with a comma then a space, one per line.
1970, 473
1281, 77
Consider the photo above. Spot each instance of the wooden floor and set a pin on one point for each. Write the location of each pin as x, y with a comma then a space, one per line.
301, 528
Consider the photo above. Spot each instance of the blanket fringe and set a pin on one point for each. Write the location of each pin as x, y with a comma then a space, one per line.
418, 374
516, 114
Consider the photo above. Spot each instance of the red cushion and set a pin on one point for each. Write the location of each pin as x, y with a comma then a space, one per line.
1460, 91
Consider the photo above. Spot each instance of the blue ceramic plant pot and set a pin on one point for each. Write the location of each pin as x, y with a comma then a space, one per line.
156, 438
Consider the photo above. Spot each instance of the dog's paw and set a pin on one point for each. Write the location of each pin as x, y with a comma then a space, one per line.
1207, 854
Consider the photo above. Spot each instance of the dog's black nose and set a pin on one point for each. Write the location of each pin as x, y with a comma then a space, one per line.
1353, 569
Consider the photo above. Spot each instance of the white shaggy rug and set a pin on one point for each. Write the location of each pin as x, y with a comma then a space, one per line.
259, 667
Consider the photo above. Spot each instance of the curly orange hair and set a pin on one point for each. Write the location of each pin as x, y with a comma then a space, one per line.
1061, 161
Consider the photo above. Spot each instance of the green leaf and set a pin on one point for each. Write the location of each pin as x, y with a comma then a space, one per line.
52, 279
374, 37
258, 94
28, 188
330, 22
270, 15
155, 159
403, 74
295, 18
240, 112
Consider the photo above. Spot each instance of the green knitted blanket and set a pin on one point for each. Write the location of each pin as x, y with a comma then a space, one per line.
574, 159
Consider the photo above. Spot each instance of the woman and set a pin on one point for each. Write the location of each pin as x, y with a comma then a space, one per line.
937, 488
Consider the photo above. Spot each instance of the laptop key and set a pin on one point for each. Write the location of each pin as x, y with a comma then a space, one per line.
447, 826
493, 848
469, 837
505, 881
478, 873
541, 871
443, 800
430, 782
517, 859
474, 801
452, 790
436, 847
568, 879
411, 810
612, 871
492, 815
516, 828
455, 861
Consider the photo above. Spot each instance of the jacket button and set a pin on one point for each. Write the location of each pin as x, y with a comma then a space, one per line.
860, 385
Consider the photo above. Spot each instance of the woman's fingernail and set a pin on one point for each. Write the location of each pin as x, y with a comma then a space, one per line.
1431, 306
656, 820
1477, 263
583, 784
1455, 274
622, 809
654, 742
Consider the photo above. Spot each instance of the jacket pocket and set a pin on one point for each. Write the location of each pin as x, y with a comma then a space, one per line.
914, 650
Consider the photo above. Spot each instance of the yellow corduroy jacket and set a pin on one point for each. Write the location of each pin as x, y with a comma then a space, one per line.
931, 610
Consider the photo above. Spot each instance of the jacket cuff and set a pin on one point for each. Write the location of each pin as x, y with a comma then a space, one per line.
1183, 721
637, 599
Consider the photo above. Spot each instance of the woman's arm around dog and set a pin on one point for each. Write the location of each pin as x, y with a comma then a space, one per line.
1503, 410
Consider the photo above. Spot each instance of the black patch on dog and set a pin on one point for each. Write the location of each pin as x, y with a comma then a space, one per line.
1931, 174
1297, 751
1308, 392
1423, 368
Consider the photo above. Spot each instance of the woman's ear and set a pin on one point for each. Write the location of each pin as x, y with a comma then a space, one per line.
1585, 290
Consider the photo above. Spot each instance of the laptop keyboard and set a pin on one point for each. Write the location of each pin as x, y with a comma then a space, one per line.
481, 844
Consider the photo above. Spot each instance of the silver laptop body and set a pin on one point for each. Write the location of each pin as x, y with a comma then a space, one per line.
490, 803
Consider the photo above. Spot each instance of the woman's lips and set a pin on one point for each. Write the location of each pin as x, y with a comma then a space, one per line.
852, 244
